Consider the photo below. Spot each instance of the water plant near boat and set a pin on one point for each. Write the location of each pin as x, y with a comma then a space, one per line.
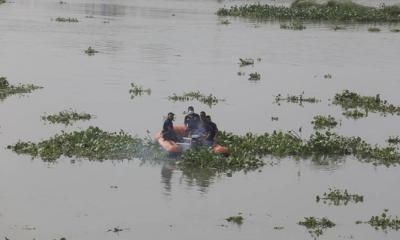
316, 226
235, 219
68, 19
209, 100
352, 101
7, 89
338, 197
91, 51
137, 90
331, 10
321, 122
374, 29
66, 117
295, 25
246, 61
383, 221
254, 76
300, 99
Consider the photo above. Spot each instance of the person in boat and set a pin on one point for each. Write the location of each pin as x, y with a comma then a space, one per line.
211, 131
168, 129
192, 121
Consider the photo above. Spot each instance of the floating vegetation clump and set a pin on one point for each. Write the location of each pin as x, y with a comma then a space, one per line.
209, 100
374, 29
327, 76
316, 226
337, 27
300, 99
91, 51
7, 89
66, 117
393, 140
69, 19
383, 221
92, 143
395, 30
295, 25
321, 122
254, 76
338, 197
235, 219
137, 90
246, 61
355, 114
331, 10
225, 22
353, 101
2, 1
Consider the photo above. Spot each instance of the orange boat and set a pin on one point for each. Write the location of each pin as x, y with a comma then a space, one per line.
173, 147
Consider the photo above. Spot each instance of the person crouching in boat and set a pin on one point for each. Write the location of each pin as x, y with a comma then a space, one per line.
211, 131
168, 129
192, 121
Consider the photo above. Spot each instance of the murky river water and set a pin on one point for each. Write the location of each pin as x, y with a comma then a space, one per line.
171, 47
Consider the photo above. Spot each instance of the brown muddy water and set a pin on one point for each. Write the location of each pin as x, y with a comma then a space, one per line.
171, 47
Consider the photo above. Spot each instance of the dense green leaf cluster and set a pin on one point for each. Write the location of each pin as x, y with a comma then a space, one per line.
338, 197
91, 51
6, 89
321, 122
235, 219
137, 90
316, 226
383, 221
66, 117
209, 100
332, 10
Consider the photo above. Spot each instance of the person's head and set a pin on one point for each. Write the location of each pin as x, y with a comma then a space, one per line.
208, 118
171, 116
203, 115
190, 109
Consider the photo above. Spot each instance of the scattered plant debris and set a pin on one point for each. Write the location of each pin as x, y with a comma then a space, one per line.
241, 73
337, 27
355, 114
235, 219
137, 90
115, 230
225, 22
300, 99
331, 10
7, 89
353, 101
338, 197
316, 226
374, 29
246, 61
327, 76
274, 119
66, 117
255, 76
91, 51
321, 122
279, 227
295, 25
68, 19
2, 1
209, 100
393, 140
395, 30
383, 221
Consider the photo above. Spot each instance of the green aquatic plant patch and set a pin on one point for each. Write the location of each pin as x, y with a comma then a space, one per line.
383, 221
331, 10
66, 117
7, 89
254, 76
225, 22
67, 19
235, 219
295, 25
137, 90
209, 100
339, 197
374, 29
354, 114
2, 1
337, 28
393, 140
352, 101
246, 61
316, 226
395, 30
91, 51
321, 122
300, 99
92, 143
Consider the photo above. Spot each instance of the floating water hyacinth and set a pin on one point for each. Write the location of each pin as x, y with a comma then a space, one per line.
383, 221
137, 90
300, 99
311, 10
91, 51
225, 22
316, 226
2, 1
7, 89
235, 219
254, 76
296, 25
321, 122
246, 61
68, 19
209, 100
374, 29
66, 117
338, 197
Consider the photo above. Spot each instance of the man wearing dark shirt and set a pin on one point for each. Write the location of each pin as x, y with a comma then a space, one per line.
168, 128
192, 121
211, 131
